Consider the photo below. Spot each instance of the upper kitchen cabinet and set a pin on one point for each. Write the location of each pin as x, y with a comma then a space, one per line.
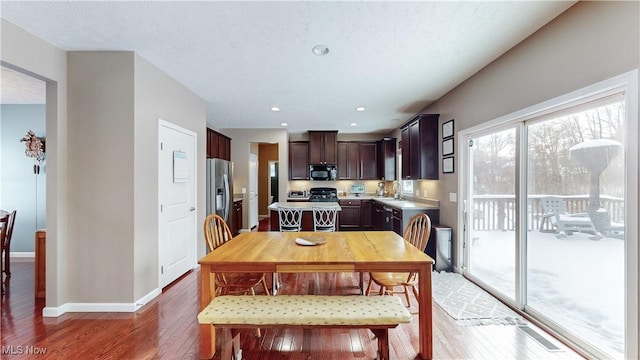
323, 147
419, 139
387, 159
218, 145
298, 160
356, 161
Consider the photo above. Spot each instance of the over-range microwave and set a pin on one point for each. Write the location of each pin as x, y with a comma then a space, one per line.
323, 172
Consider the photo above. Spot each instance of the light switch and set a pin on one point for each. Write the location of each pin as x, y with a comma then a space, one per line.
417, 192
425, 193
453, 197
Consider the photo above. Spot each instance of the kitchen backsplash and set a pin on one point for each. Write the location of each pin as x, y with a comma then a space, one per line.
425, 189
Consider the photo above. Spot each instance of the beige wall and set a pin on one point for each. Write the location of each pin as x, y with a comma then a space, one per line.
26, 53
114, 107
101, 165
102, 236
590, 42
178, 105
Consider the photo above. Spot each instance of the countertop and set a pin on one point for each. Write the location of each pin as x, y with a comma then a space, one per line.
306, 206
388, 201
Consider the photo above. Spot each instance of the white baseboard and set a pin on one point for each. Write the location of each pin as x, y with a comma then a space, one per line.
25, 254
100, 307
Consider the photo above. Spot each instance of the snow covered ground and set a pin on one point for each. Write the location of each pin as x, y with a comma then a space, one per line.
575, 281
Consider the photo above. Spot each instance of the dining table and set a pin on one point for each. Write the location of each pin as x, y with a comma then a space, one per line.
341, 251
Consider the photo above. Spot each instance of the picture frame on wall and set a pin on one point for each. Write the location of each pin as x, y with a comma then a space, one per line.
448, 165
447, 147
447, 129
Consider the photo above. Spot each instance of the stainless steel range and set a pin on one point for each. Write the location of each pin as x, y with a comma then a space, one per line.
323, 194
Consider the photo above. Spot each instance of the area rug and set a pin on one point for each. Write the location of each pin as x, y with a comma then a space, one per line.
468, 304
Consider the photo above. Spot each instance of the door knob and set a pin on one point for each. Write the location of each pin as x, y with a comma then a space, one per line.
192, 209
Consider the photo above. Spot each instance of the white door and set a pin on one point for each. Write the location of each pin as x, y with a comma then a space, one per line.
253, 190
177, 201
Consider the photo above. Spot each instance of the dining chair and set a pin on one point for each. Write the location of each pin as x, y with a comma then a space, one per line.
290, 218
4, 219
417, 234
217, 233
6, 242
324, 218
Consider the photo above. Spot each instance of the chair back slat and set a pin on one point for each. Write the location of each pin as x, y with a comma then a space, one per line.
553, 205
216, 231
324, 218
418, 231
290, 218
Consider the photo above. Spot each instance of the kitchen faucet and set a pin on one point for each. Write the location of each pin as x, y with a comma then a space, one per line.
397, 194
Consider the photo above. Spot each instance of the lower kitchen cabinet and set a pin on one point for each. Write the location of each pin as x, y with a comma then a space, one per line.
377, 216
236, 218
350, 214
365, 214
401, 219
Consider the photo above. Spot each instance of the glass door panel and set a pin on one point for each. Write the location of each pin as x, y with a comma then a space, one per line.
491, 215
575, 245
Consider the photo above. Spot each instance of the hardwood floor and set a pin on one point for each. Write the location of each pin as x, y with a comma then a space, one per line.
166, 328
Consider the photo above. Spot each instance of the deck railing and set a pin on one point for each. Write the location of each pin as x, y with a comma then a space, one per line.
498, 212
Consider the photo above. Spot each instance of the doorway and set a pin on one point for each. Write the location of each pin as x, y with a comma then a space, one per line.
268, 179
23, 178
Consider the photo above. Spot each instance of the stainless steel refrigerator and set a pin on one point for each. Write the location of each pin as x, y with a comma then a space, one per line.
220, 188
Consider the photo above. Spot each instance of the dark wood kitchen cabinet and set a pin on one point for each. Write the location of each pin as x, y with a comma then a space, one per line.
218, 145
349, 214
366, 208
368, 161
387, 159
401, 218
236, 218
357, 160
355, 214
347, 160
323, 147
420, 148
377, 216
298, 160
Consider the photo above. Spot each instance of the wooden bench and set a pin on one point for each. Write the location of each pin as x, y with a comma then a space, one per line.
231, 313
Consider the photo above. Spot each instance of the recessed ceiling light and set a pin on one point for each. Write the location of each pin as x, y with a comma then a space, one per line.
360, 108
320, 50
354, 124
284, 124
275, 108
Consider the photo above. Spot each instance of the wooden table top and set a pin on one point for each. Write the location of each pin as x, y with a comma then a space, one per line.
347, 251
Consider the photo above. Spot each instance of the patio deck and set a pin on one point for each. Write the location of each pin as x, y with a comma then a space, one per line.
577, 282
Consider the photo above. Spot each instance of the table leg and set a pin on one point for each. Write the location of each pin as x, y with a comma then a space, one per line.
425, 312
207, 293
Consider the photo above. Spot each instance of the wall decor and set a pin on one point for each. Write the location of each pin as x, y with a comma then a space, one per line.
447, 147
35, 149
447, 165
447, 129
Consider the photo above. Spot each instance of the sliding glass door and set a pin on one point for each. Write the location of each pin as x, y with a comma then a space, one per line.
544, 225
575, 247
491, 210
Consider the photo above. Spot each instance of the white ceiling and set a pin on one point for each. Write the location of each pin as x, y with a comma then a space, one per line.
394, 58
